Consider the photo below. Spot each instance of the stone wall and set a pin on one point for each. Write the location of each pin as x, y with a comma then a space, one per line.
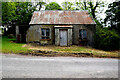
34, 34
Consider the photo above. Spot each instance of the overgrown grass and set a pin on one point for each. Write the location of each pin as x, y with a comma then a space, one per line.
75, 49
8, 46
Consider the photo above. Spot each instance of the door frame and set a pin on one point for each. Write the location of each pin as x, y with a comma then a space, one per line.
69, 34
66, 35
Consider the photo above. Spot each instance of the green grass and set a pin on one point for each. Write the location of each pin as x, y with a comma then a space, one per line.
8, 46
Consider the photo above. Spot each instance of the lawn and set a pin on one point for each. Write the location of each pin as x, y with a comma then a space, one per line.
9, 46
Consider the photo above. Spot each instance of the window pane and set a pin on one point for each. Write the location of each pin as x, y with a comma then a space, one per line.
80, 34
47, 32
43, 32
84, 34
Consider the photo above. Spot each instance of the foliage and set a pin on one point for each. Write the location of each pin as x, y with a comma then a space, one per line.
8, 12
1, 31
81, 5
90, 6
40, 4
53, 6
106, 39
19, 12
68, 6
10, 47
24, 11
113, 16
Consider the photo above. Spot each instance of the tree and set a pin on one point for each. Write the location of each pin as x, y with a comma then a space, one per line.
68, 6
20, 12
106, 39
81, 5
113, 16
24, 11
16, 12
39, 5
53, 6
8, 12
89, 5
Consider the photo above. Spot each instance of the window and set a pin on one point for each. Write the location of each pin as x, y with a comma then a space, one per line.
83, 34
45, 33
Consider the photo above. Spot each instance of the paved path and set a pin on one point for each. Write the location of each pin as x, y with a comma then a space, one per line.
17, 66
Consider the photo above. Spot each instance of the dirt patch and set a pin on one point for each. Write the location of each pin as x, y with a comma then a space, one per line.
55, 54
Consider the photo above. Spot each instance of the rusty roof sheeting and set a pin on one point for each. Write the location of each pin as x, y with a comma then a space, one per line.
64, 26
61, 17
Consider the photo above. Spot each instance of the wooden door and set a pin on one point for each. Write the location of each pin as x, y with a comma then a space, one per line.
63, 37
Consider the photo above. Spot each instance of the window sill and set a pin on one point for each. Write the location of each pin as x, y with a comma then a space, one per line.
45, 39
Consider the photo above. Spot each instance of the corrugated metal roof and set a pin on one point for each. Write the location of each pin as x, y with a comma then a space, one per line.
61, 17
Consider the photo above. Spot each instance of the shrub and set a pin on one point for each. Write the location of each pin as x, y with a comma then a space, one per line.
106, 39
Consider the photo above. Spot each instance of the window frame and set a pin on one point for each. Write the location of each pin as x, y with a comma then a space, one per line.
81, 38
49, 38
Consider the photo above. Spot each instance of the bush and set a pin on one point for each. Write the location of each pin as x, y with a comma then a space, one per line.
106, 39
53, 6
